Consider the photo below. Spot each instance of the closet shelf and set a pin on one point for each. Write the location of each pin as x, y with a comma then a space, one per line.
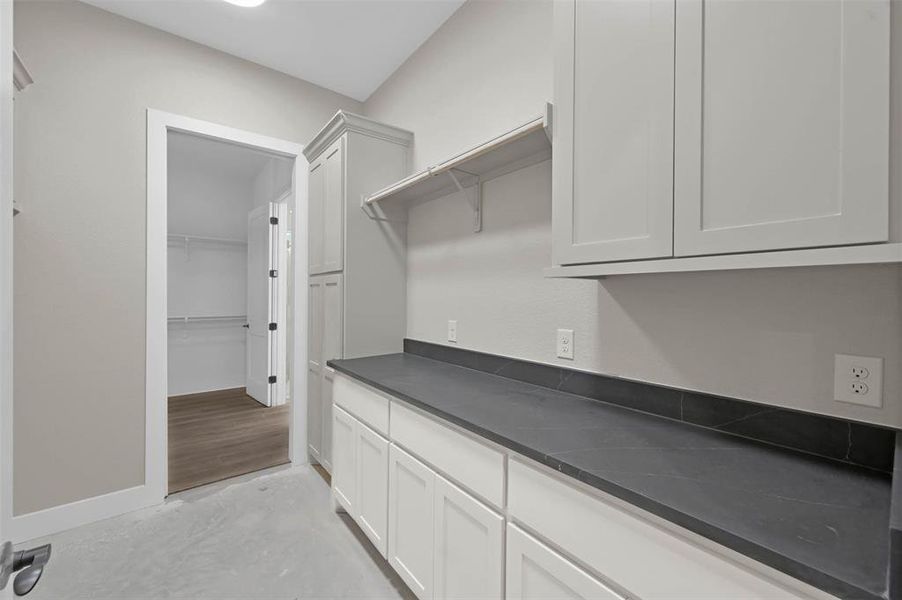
843, 255
184, 238
206, 318
520, 147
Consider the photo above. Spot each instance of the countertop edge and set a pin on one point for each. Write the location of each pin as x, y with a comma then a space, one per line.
779, 562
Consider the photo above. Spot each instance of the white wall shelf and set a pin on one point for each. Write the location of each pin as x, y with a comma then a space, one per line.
842, 255
525, 145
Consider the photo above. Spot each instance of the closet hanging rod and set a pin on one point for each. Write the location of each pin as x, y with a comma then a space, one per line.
185, 238
193, 319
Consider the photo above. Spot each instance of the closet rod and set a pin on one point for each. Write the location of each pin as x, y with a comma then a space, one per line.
180, 237
190, 319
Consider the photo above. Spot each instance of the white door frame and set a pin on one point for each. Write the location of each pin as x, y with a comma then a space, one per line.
6, 272
159, 123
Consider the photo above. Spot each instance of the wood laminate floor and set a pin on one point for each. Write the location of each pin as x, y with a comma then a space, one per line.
222, 434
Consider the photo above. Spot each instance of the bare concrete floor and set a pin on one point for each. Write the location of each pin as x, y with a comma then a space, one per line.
265, 535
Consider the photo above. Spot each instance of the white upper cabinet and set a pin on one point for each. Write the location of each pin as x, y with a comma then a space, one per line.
782, 124
333, 207
316, 196
689, 128
613, 130
325, 188
326, 210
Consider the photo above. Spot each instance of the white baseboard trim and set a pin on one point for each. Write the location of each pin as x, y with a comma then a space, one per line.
81, 512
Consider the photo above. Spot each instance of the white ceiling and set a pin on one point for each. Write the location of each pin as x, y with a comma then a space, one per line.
348, 46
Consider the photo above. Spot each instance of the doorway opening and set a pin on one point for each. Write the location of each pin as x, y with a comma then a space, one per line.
226, 330
227, 245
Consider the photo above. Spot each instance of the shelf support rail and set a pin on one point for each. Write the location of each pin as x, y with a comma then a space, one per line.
475, 201
370, 212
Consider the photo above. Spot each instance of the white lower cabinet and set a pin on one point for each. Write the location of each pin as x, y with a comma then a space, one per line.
372, 486
469, 545
360, 475
436, 526
326, 408
410, 521
536, 572
344, 459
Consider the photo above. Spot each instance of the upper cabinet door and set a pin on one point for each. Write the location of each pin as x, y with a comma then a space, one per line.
316, 191
613, 130
781, 136
333, 207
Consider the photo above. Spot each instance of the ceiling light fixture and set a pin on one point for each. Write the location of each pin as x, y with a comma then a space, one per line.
246, 3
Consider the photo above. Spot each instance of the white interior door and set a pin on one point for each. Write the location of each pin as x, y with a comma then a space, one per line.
262, 297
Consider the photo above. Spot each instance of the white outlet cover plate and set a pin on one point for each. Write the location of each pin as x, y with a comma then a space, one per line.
565, 343
843, 380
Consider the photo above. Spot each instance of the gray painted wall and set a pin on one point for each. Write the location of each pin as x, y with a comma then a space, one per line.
767, 336
79, 242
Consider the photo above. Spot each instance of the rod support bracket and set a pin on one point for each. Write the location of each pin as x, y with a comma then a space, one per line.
474, 199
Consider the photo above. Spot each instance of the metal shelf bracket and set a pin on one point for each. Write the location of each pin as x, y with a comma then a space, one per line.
475, 199
370, 211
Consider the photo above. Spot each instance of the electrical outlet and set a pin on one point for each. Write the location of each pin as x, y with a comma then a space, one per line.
858, 380
452, 331
565, 343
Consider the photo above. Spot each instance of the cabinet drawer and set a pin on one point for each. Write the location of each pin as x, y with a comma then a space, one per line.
363, 403
625, 548
473, 465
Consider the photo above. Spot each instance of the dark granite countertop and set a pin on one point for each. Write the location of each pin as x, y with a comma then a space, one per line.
821, 521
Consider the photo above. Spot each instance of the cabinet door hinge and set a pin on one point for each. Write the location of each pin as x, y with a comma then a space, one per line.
274, 220
273, 326
273, 273
272, 378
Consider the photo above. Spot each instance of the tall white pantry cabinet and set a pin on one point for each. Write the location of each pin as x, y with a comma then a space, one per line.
690, 127
357, 280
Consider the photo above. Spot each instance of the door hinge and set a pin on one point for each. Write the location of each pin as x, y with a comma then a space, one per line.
273, 273
274, 220
272, 378
273, 326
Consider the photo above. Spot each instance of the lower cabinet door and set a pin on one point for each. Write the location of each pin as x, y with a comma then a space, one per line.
326, 404
410, 521
344, 471
535, 571
314, 414
372, 486
468, 545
